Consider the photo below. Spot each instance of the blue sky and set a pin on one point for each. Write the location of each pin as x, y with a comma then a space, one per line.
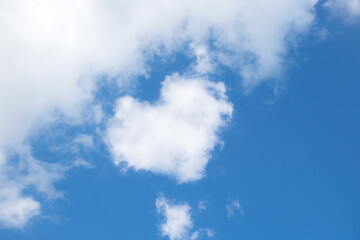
254, 134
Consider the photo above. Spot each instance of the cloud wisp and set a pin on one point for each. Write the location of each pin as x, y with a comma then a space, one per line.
202, 206
232, 207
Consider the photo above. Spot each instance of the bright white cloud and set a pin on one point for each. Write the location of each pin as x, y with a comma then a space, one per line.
232, 207
177, 221
349, 9
175, 135
53, 53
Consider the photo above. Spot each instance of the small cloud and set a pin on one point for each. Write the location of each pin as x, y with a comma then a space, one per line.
202, 206
177, 221
195, 235
232, 207
322, 34
210, 232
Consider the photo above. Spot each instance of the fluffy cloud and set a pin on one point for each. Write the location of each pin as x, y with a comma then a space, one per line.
177, 223
54, 52
177, 219
175, 135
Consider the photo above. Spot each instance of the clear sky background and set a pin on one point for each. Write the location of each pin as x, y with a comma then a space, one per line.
284, 166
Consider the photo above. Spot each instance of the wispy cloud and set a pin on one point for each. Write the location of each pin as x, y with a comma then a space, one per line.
232, 207
202, 206
85, 140
203, 232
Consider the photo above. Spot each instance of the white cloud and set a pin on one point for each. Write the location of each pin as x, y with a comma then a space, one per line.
175, 135
349, 9
204, 63
177, 221
232, 207
15, 208
53, 52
